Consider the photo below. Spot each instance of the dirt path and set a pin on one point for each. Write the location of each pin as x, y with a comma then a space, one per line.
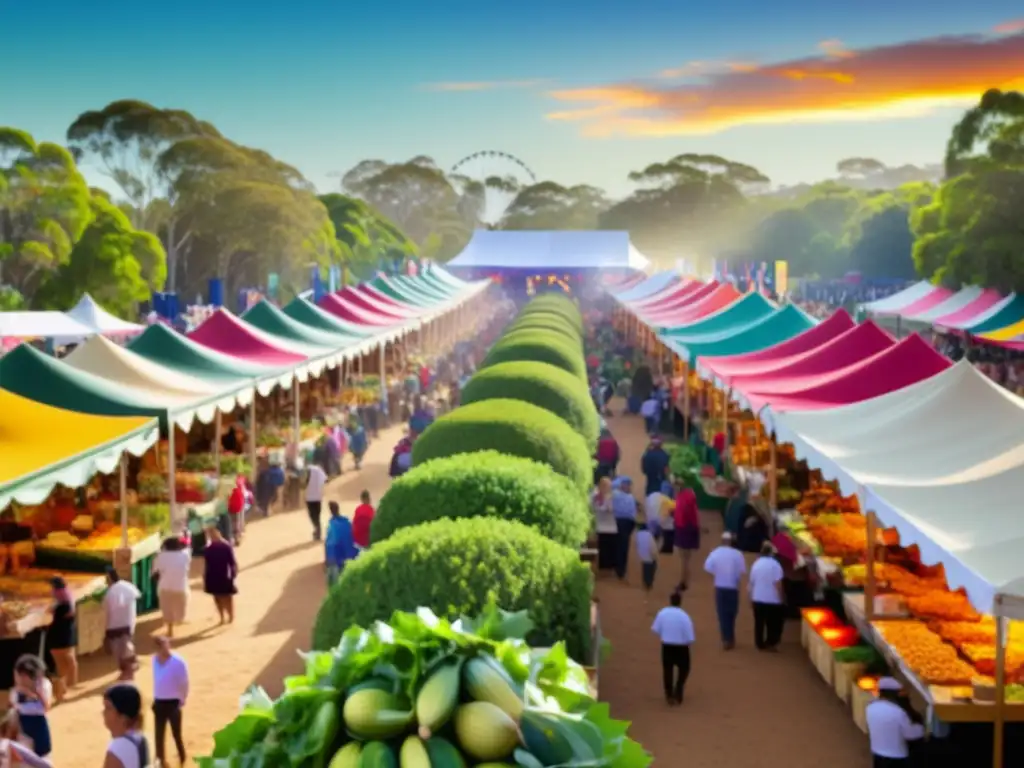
281, 583
743, 708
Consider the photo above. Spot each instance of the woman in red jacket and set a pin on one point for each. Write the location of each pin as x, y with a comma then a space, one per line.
687, 521
361, 520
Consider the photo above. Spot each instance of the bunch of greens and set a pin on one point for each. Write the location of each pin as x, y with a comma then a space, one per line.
684, 464
303, 728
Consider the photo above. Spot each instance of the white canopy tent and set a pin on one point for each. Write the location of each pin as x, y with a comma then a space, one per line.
90, 314
19, 326
892, 305
942, 462
527, 249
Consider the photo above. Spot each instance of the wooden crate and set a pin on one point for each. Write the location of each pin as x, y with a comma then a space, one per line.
92, 625
822, 658
845, 679
859, 700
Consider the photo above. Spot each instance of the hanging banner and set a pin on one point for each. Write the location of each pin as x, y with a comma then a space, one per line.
273, 285
781, 277
317, 285
216, 292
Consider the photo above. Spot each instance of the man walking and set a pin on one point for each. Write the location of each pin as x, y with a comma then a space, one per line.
624, 507
767, 593
119, 606
315, 497
675, 629
170, 692
727, 566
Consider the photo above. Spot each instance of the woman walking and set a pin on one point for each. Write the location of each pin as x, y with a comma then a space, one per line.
604, 524
219, 573
687, 523
358, 442
171, 569
31, 700
122, 716
62, 638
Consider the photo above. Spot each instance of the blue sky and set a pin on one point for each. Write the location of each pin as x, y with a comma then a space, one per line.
323, 85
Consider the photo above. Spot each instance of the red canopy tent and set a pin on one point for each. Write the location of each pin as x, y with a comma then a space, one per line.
683, 296
353, 313
800, 371
925, 303
223, 332
356, 297
899, 366
657, 296
967, 313
724, 368
720, 297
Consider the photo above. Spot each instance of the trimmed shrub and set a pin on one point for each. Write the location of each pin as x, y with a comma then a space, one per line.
560, 306
542, 384
543, 322
508, 426
538, 347
485, 484
455, 567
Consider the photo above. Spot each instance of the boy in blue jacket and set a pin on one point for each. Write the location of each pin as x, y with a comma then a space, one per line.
339, 546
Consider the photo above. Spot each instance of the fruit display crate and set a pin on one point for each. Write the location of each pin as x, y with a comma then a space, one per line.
845, 679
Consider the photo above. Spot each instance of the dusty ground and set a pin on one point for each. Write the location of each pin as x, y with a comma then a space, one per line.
743, 708
281, 584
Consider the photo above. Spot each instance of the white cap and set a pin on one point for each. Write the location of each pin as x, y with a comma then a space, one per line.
889, 684
726, 536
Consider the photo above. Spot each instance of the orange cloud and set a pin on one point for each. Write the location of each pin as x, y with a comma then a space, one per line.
484, 85
1009, 27
907, 79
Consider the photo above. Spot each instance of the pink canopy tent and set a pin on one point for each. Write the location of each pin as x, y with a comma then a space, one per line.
901, 365
723, 369
353, 313
661, 295
719, 298
683, 296
665, 316
223, 332
379, 296
799, 372
355, 296
922, 305
967, 314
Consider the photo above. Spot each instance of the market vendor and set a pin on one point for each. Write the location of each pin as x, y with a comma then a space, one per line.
891, 728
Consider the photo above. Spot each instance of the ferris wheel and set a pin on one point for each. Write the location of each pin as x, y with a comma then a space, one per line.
498, 175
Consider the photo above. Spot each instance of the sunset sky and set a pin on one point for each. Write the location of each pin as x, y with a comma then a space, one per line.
581, 92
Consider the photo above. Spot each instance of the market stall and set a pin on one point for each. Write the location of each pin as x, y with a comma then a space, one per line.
46, 452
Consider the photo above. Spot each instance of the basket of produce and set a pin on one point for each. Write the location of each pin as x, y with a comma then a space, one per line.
421, 691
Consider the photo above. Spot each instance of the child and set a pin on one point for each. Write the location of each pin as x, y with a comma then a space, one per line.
339, 547
31, 699
647, 551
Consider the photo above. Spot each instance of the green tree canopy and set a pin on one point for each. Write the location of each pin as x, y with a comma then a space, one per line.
364, 235
44, 208
115, 263
548, 205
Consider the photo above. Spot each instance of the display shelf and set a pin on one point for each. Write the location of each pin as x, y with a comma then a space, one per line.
26, 597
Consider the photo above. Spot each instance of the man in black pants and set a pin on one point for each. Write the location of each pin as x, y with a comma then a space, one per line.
675, 629
768, 595
170, 691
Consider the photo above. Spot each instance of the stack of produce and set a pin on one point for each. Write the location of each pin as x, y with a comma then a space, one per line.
823, 498
925, 653
495, 505
421, 692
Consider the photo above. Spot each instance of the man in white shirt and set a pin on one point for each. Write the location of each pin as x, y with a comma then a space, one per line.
890, 727
650, 409
315, 497
119, 607
767, 593
675, 629
170, 692
727, 565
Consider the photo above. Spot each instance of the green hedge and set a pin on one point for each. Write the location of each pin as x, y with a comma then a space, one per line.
544, 322
555, 305
508, 426
542, 384
540, 347
455, 567
485, 484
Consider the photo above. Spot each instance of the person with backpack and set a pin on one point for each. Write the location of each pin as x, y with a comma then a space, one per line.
122, 716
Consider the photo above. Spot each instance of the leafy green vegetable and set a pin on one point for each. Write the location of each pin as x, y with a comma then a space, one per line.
297, 730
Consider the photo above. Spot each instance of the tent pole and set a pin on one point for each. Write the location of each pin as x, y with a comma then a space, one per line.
869, 576
253, 471
1000, 710
123, 489
217, 429
773, 477
296, 433
686, 403
383, 374
172, 492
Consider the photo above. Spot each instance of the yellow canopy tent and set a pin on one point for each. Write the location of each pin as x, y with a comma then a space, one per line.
42, 446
